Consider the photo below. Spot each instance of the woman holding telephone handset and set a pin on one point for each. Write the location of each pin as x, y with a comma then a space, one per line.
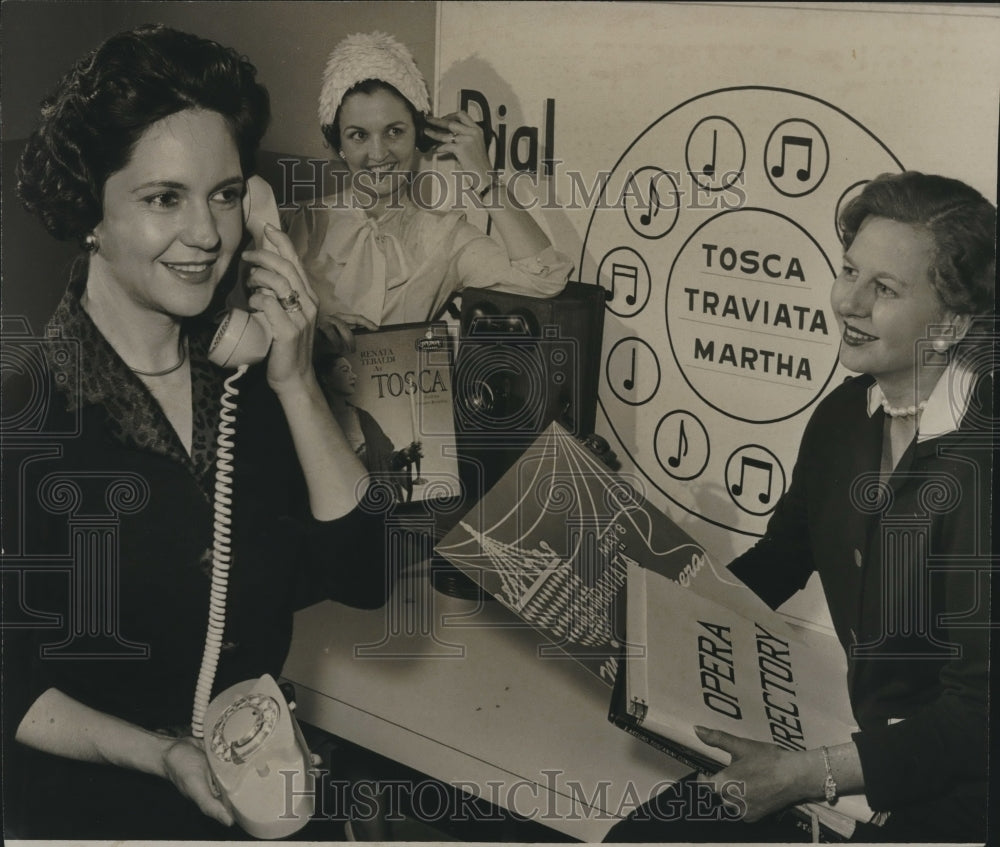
375, 254
143, 154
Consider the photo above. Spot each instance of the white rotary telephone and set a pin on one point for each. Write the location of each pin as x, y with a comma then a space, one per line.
259, 759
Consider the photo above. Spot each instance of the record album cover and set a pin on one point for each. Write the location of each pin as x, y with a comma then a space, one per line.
552, 541
393, 398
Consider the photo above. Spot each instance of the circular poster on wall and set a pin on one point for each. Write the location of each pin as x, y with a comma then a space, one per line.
716, 240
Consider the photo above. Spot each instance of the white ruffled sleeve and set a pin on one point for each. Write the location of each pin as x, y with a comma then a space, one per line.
482, 262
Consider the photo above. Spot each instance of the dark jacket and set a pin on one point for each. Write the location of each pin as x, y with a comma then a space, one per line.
108, 531
905, 569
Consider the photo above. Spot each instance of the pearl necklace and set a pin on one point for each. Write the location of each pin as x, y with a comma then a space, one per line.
903, 411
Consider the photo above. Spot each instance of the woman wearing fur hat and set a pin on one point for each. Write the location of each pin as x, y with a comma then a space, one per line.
376, 256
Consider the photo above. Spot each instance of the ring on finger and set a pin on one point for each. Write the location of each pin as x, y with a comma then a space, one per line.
291, 302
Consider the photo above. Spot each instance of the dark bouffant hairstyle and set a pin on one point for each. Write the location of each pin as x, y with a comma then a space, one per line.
331, 132
960, 220
93, 119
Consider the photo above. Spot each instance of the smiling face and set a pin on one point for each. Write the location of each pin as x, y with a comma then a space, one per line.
378, 140
884, 303
172, 216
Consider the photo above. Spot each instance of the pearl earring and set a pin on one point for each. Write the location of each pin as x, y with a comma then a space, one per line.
940, 344
91, 243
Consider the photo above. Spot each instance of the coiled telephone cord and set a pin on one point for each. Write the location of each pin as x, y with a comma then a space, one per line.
221, 554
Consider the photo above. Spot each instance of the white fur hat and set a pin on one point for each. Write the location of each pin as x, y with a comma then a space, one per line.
370, 55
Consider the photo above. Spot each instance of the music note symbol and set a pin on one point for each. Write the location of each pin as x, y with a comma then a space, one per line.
627, 274
795, 141
709, 169
682, 449
629, 382
654, 205
756, 464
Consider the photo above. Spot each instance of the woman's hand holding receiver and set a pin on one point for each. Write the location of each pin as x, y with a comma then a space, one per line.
282, 292
462, 137
335, 477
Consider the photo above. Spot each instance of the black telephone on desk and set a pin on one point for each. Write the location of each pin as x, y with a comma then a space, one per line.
244, 337
253, 744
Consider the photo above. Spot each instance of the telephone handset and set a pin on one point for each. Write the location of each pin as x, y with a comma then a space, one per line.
243, 337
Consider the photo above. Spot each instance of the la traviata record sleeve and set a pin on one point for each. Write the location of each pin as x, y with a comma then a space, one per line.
553, 539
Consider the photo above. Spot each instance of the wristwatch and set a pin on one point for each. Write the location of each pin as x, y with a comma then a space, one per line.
829, 784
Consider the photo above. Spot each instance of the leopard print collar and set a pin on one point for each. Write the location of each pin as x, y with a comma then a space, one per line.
133, 416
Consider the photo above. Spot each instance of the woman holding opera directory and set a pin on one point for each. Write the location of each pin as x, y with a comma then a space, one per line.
890, 503
142, 155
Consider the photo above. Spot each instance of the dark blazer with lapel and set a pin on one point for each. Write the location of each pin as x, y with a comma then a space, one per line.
904, 564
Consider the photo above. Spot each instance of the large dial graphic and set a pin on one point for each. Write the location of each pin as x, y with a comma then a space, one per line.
717, 244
